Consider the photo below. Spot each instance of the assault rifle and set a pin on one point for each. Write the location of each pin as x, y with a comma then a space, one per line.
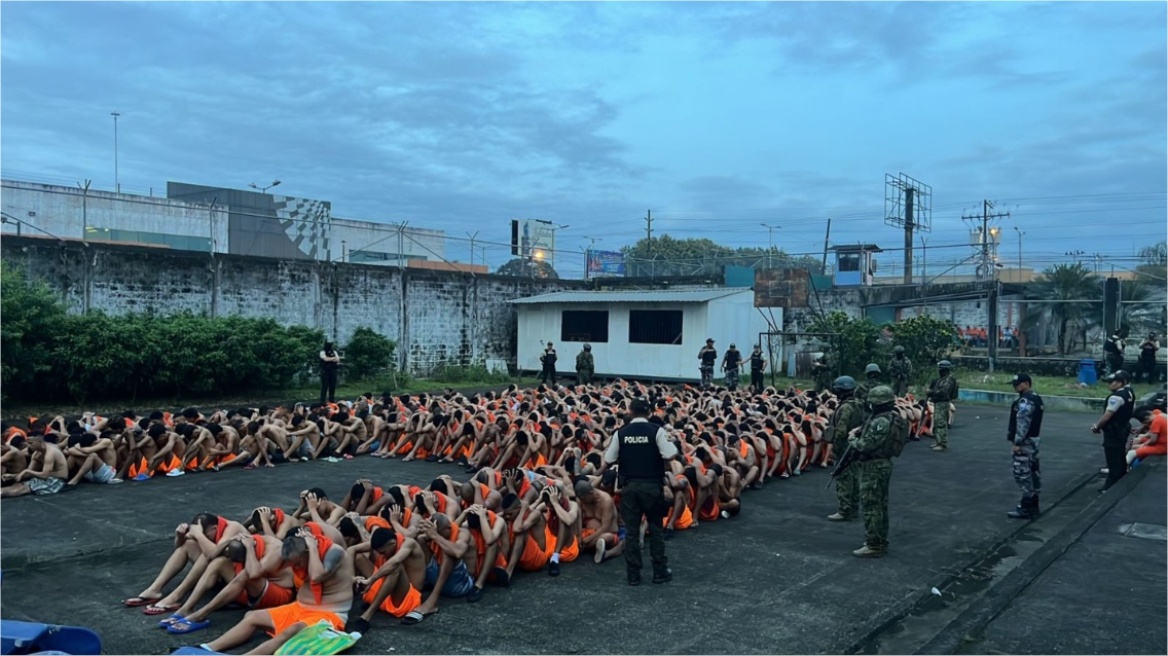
850, 455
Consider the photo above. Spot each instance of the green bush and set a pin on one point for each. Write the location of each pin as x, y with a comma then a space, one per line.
926, 341
368, 354
859, 342
48, 355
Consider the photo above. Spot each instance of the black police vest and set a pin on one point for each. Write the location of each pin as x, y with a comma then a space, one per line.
549, 359
1120, 423
1035, 418
329, 366
733, 358
639, 457
756, 363
709, 357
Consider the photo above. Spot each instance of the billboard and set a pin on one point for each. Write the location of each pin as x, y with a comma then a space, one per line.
605, 263
534, 239
785, 288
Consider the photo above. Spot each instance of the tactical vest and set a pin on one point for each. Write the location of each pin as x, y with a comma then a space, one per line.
1035, 419
1119, 425
639, 458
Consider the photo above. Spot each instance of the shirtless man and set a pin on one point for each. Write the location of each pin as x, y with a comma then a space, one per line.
215, 532
97, 457
532, 544
395, 577
485, 558
446, 572
46, 472
600, 530
316, 507
326, 574
253, 574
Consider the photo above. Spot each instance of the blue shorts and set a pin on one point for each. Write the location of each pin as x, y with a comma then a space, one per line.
458, 584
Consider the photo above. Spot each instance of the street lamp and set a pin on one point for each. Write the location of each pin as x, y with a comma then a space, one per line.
264, 189
1020, 236
117, 184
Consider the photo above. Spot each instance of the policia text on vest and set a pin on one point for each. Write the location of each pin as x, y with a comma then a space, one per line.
640, 450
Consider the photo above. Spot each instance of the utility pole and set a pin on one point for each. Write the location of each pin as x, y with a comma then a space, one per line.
924, 259
649, 239
1020, 236
85, 210
588, 253
986, 268
826, 237
472, 241
117, 183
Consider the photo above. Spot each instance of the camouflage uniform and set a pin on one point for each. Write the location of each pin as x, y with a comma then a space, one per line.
848, 416
822, 372
941, 392
875, 465
585, 367
1025, 414
900, 369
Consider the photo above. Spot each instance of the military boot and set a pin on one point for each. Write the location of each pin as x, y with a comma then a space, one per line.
1028, 509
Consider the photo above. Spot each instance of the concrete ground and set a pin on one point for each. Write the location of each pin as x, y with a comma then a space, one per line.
777, 579
1107, 594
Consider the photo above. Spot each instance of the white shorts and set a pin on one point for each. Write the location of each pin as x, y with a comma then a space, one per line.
103, 474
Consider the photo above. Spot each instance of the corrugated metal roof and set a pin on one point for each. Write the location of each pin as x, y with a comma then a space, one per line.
639, 296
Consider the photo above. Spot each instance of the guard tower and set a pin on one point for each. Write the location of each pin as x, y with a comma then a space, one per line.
854, 265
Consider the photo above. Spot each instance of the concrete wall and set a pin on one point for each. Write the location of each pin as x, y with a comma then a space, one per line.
440, 317
363, 242
65, 212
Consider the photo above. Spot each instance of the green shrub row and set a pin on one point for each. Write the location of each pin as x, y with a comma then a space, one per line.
49, 355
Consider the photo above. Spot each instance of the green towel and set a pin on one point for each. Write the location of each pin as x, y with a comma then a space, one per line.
318, 640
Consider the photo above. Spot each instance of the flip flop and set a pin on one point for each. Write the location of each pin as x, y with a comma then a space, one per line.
186, 626
414, 617
135, 602
171, 620
155, 609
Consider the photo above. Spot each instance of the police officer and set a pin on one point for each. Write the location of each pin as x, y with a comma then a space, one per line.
641, 449
1115, 424
942, 390
1113, 349
585, 366
330, 362
875, 447
900, 368
871, 379
848, 416
708, 356
757, 365
548, 360
732, 365
1024, 431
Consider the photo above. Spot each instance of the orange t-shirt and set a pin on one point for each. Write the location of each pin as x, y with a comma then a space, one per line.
1159, 427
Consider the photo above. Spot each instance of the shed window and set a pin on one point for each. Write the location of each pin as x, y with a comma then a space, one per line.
655, 326
584, 326
849, 262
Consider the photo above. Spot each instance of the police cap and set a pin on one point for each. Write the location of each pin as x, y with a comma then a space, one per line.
641, 407
1020, 378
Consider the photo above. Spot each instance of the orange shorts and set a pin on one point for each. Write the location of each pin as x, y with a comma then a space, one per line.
1160, 448
412, 600
533, 558
289, 614
272, 596
572, 552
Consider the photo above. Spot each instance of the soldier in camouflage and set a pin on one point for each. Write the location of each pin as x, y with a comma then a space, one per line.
942, 391
871, 379
821, 370
848, 416
900, 369
875, 446
585, 366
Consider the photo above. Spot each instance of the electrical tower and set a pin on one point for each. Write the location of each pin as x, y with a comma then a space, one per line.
908, 204
985, 239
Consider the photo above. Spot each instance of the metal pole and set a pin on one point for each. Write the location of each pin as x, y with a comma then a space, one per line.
85, 210
117, 182
472, 241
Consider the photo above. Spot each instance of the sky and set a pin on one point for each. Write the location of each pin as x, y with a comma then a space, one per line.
717, 117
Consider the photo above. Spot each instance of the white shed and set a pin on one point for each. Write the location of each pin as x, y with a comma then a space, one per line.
639, 334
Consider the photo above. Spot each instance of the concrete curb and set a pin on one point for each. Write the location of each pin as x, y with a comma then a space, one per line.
885, 620
995, 599
1055, 402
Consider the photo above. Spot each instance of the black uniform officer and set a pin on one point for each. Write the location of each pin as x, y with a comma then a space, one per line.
642, 448
1115, 424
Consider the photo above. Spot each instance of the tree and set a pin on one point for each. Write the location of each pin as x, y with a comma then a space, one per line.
859, 341
1154, 262
666, 256
30, 314
367, 354
925, 340
1074, 289
524, 268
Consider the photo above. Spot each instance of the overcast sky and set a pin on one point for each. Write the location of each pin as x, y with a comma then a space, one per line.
717, 116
